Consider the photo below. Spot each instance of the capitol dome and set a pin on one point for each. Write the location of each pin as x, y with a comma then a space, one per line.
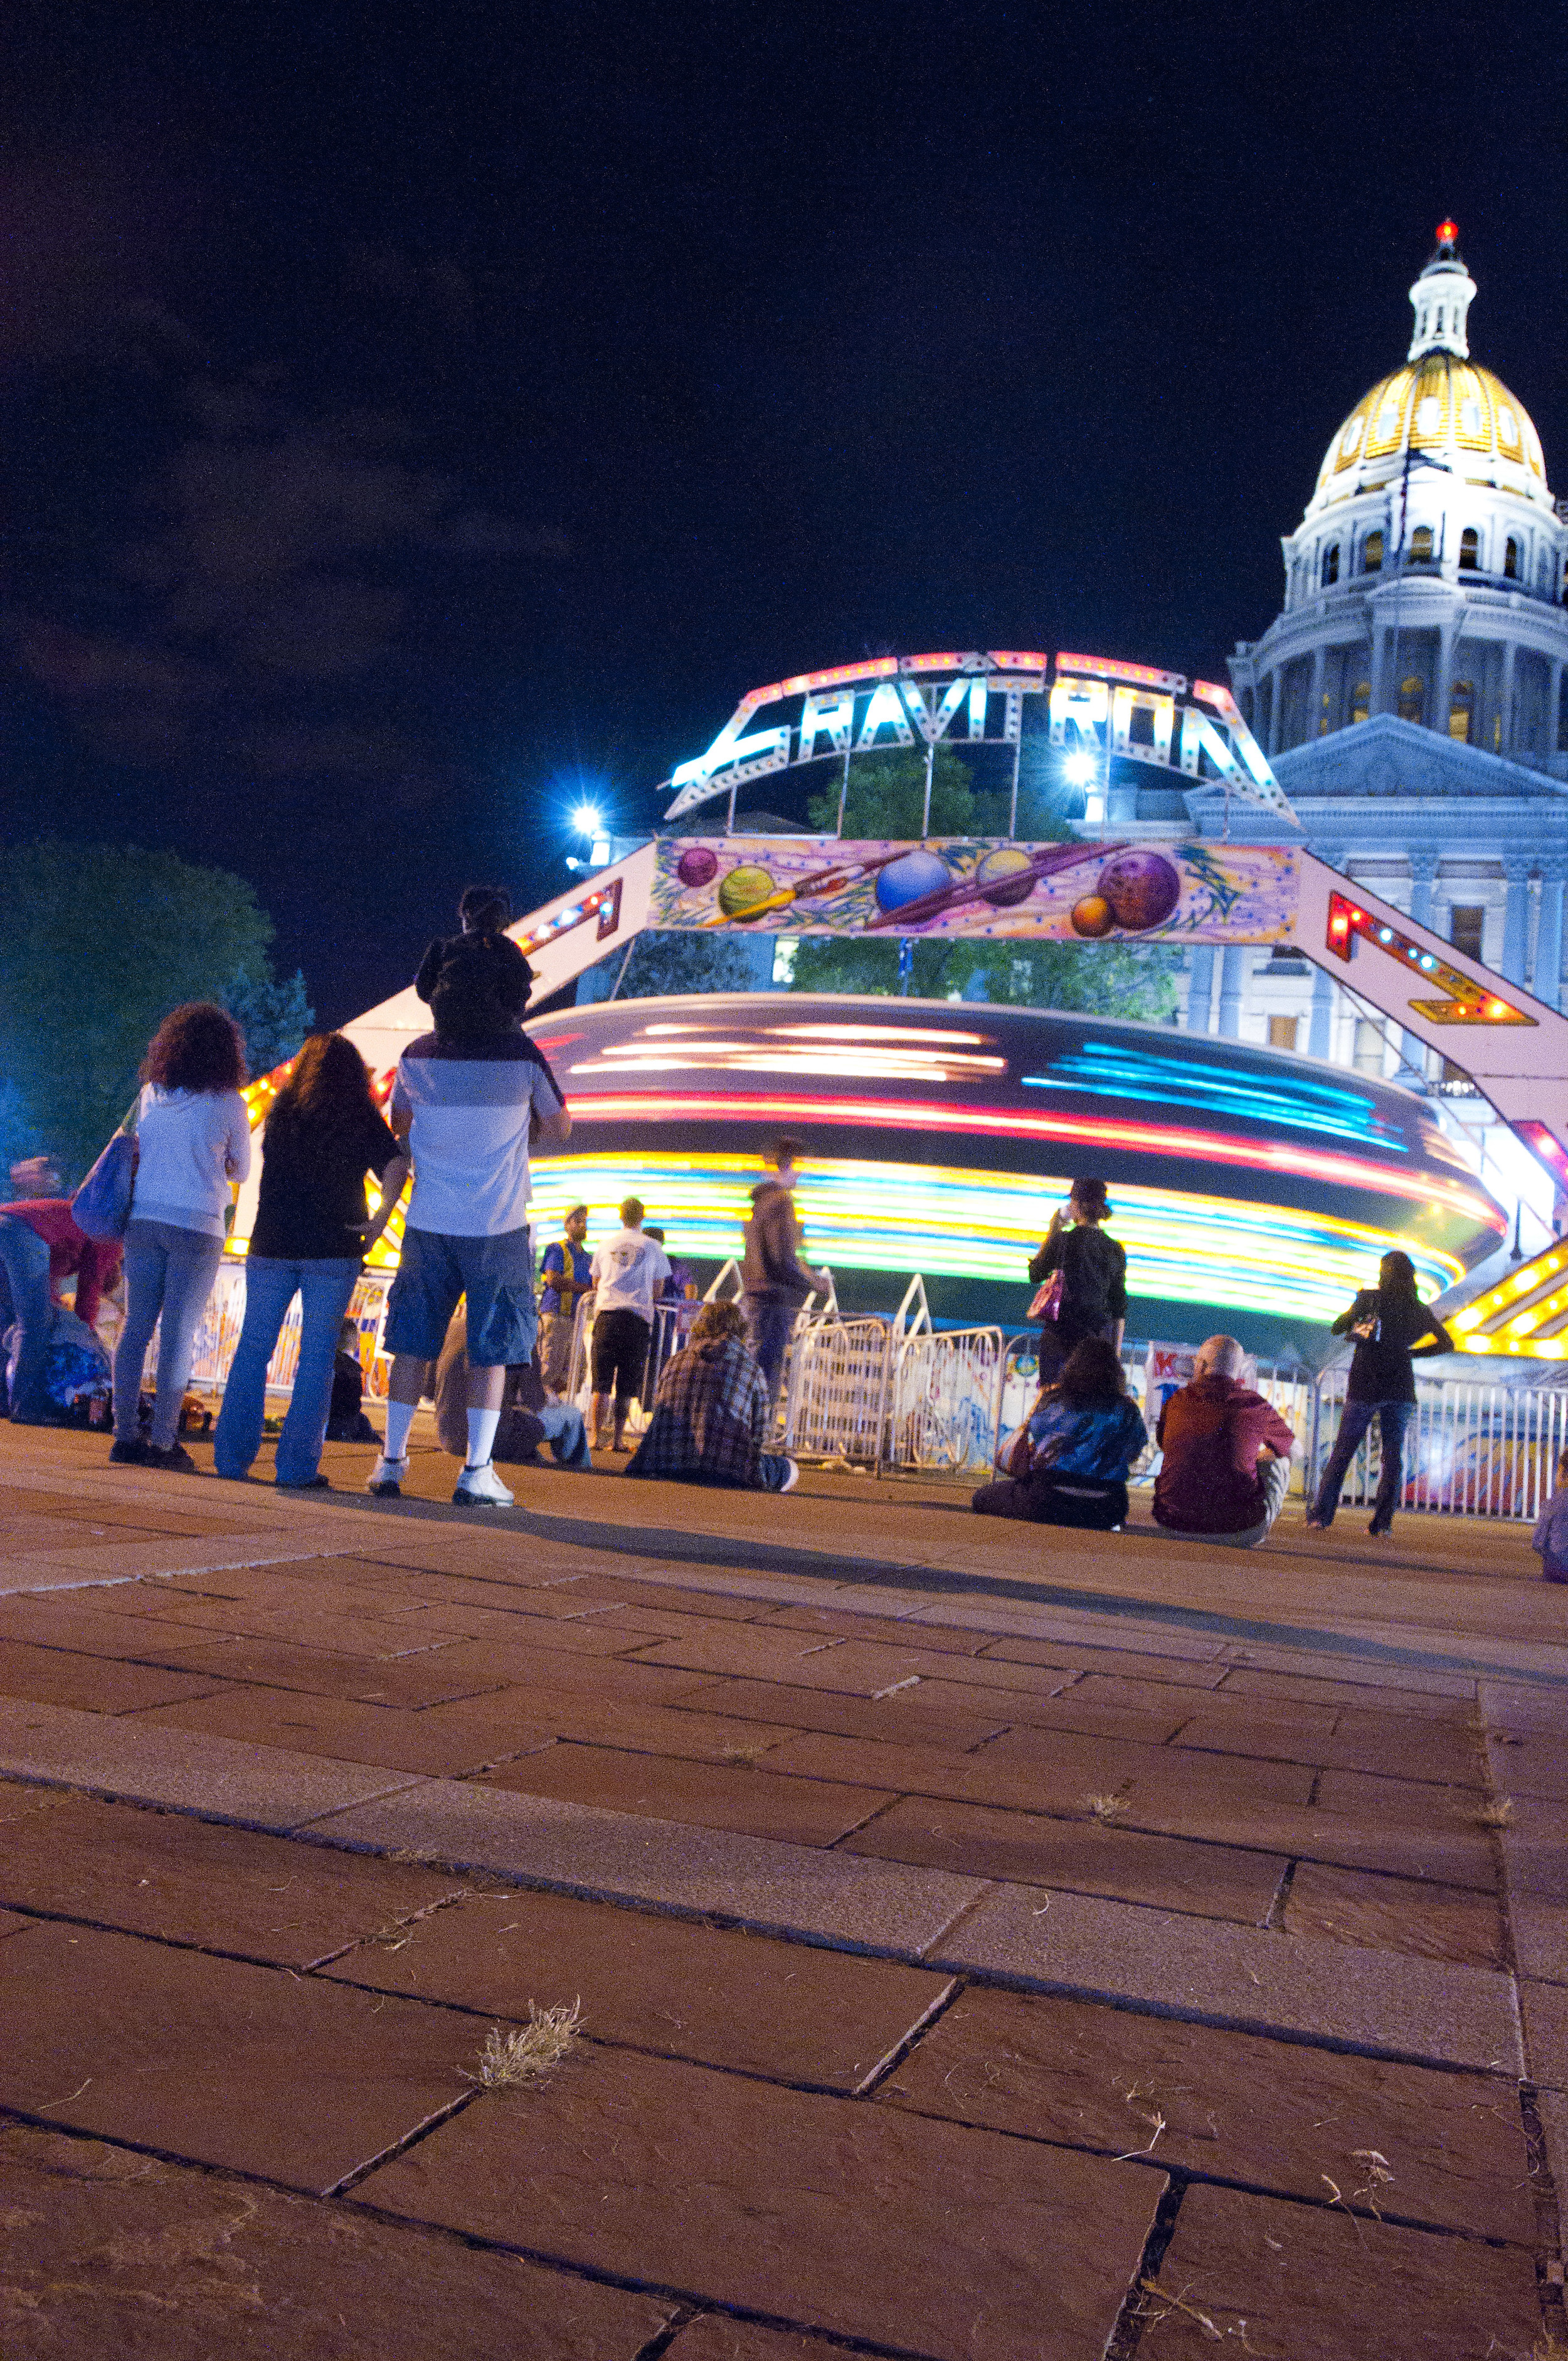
1448, 409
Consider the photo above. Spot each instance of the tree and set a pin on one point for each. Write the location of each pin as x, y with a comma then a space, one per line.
274, 1018
97, 943
687, 961
886, 801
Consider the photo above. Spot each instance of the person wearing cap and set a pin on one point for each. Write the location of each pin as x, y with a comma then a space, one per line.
568, 1275
1093, 1267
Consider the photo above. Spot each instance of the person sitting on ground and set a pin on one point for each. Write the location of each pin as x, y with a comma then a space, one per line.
483, 960
39, 1246
527, 1420
629, 1271
712, 1413
345, 1419
1093, 1267
1068, 1464
1550, 1539
1227, 1454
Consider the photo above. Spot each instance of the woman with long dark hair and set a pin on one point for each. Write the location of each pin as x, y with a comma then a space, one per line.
323, 1134
1068, 1465
1390, 1322
1093, 1297
193, 1139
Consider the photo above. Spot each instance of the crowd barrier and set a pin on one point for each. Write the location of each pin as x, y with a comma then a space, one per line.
902, 1394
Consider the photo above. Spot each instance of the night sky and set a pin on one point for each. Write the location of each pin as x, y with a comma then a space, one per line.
411, 412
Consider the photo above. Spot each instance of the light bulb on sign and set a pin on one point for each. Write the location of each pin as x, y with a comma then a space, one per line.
586, 819
1081, 770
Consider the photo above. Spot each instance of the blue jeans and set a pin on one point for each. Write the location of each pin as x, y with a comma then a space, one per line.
1393, 1418
270, 1285
168, 1271
769, 1327
565, 1434
26, 1259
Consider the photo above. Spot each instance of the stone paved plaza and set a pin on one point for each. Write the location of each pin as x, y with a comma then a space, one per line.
988, 1944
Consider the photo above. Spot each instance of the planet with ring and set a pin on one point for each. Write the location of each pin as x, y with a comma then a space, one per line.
910, 878
1143, 889
743, 889
1006, 878
1093, 916
699, 866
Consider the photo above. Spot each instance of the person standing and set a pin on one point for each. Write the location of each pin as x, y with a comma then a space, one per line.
468, 1098
567, 1271
629, 1273
1388, 1323
774, 1280
1093, 1267
323, 1133
39, 1245
193, 1139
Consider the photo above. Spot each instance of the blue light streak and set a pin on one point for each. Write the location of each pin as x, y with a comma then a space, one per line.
1100, 1069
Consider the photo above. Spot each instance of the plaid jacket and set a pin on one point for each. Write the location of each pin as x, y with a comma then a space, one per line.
709, 1417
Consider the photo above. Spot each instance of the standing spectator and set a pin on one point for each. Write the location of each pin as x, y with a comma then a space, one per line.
1068, 1464
323, 1134
1094, 1277
467, 1099
774, 1282
711, 1415
193, 1139
1388, 1323
567, 1271
481, 962
628, 1272
1227, 1454
39, 1245
680, 1287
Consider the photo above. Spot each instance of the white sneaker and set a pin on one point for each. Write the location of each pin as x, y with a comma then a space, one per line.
483, 1486
792, 1476
387, 1478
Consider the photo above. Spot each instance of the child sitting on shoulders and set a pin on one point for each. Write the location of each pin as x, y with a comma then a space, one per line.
1550, 1539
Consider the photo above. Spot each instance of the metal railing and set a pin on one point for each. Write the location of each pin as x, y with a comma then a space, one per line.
1473, 1450
224, 1316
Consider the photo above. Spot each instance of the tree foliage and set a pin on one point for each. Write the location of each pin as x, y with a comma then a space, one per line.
97, 943
886, 798
687, 961
274, 1018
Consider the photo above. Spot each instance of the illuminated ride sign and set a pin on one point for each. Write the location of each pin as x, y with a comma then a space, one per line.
1135, 712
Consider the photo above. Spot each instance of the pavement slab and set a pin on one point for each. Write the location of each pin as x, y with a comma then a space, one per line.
1315, 2284
790, 2011
1081, 1857
717, 2338
699, 1794
1422, 2010
907, 1717
1544, 2007
192, 1882
170, 2264
469, 1734
94, 1684
1438, 1698
219, 1778
1188, 2096
940, 2240
1395, 1914
425, 1678
216, 2062
579, 1849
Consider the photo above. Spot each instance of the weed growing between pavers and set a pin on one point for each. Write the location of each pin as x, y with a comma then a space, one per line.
1497, 1815
510, 2060
1105, 1808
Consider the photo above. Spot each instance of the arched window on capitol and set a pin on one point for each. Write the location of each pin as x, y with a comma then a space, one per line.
1331, 563
1421, 545
1469, 550
1461, 711
1372, 554
1412, 698
1360, 701
1511, 560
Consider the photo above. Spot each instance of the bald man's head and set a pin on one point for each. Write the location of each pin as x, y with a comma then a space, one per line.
1220, 1356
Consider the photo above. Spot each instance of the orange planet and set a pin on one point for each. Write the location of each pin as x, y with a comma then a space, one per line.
1093, 916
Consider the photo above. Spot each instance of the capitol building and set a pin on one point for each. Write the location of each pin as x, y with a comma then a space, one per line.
1412, 695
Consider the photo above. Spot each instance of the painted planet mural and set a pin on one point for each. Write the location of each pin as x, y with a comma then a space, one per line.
910, 878
698, 866
1143, 889
743, 889
1006, 878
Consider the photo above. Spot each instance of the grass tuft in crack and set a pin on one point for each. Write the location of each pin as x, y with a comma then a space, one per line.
1499, 1815
1105, 1808
507, 2061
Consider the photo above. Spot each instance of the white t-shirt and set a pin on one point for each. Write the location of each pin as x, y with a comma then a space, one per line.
627, 1272
470, 1110
190, 1146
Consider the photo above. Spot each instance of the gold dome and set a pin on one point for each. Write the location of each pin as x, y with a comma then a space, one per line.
1451, 410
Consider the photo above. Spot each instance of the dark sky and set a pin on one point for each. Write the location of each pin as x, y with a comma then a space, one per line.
410, 410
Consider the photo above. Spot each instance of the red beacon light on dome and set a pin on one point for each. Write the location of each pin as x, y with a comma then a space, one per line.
1447, 233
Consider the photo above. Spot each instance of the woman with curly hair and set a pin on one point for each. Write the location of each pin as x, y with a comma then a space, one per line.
193, 1139
323, 1134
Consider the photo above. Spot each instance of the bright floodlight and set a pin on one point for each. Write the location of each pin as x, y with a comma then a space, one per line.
586, 819
1080, 770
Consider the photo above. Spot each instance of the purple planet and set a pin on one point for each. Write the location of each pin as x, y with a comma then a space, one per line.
697, 867
1143, 889
910, 878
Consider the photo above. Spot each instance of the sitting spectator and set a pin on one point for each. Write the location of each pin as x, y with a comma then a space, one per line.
1068, 1465
345, 1419
712, 1413
527, 1420
39, 1246
1227, 1454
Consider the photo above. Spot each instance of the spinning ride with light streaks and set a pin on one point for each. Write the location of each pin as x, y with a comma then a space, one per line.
1179, 892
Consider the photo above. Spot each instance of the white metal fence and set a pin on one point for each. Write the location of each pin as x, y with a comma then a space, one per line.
1472, 1449
221, 1321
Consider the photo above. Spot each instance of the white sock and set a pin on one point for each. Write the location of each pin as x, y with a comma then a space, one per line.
482, 1425
400, 1418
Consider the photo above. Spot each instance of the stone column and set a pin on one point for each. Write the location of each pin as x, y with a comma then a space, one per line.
1315, 697
1548, 983
1443, 678
1553, 707
1516, 917
1199, 986
1274, 679
1380, 699
1232, 983
1320, 1029
1506, 707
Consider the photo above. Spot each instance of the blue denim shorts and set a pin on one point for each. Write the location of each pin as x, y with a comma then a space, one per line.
494, 1274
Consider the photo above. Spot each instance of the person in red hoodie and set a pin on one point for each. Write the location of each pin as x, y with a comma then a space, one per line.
1227, 1454
39, 1246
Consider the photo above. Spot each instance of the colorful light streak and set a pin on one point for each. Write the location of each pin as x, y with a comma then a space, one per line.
1108, 1071
1466, 1002
947, 1221
1536, 1332
1285, 1159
